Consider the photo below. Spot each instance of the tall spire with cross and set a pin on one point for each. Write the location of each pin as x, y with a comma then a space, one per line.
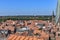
53, 17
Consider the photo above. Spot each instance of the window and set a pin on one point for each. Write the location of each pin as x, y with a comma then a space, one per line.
28, 23
58, 34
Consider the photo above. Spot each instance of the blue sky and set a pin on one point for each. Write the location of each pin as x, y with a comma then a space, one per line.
27, 7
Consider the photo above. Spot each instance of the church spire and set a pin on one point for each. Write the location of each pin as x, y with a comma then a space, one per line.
53, 17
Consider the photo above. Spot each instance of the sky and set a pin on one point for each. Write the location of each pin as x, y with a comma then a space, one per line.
27, 7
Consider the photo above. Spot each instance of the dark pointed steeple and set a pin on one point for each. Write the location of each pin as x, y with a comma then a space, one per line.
53, 17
